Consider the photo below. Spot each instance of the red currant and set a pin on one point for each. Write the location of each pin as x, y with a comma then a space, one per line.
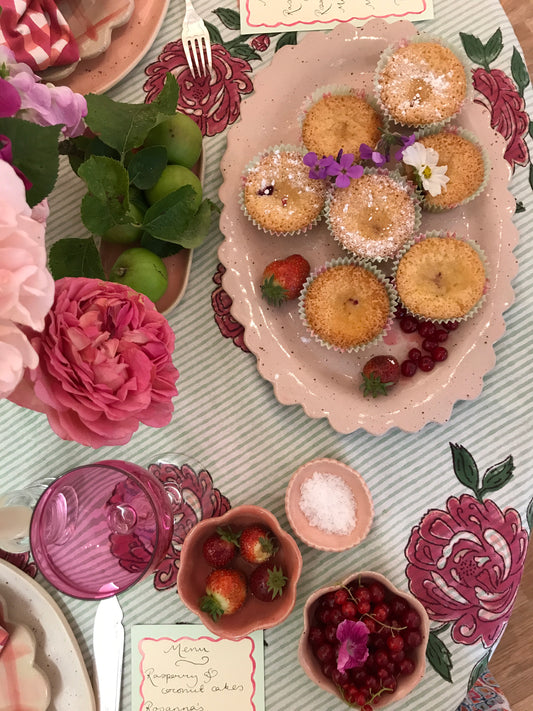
407, 666
381, 658
341, 595
330, 633
414, 355
336, 616
426, 363
428, 344
426, 329
398, 606
439, 354
440, 335
412, 619
363, 607
408, 324
316, 636
349, 610
408, 368
325, 653
370, 624
394, 643
413, 639
377, 592
450, 325
381, 612
362, 594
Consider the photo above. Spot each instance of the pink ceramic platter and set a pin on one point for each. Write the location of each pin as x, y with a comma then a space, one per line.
325, 382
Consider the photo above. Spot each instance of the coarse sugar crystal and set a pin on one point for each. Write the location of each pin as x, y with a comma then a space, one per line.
328, 503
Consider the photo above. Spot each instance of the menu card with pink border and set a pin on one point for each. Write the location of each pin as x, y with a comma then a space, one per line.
259, 16
188, 668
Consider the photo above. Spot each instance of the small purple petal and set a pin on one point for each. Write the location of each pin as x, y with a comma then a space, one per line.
365, 152
342, 180
356, 171
10, 101
326, 161
310, 159
378, 158
333, 168
346, 160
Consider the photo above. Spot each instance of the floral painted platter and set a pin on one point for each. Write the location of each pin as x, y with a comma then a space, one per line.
325, 382
129, 43
57, 652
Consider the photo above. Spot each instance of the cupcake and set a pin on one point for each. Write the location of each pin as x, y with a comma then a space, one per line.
467, 167
441, 277
420, 83
375, 215
347, 304
279, 196
338, 118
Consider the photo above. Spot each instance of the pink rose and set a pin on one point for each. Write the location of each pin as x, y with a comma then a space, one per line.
213, 102
16, 354
105, 364
465, 565
507, 108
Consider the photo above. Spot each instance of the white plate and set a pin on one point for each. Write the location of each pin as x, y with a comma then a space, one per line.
57, 652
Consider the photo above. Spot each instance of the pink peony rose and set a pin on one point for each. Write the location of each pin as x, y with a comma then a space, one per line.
221, 303
105, 364
213, 102
16, 354
465, 565
507, 109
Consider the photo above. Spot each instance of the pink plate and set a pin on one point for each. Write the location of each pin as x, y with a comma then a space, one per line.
326, 383
314, 536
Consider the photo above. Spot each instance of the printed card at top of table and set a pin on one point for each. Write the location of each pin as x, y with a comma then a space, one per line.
260, 16
188, 668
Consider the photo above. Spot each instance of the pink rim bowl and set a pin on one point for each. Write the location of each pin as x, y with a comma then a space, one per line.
254, 614
311, 665
314, 536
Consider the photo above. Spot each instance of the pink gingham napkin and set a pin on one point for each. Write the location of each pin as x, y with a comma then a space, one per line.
37, 33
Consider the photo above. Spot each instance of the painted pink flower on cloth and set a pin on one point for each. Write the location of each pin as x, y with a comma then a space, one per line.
20, 561
199, 500
221, 303
105, 364
465, 564
214, 102
507, 109
261, 43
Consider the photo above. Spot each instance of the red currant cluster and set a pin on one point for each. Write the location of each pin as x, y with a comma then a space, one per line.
433, 336
394, 634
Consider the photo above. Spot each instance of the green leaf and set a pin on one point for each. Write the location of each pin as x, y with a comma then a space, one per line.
160, 247
125, 126
531, 129
95, 215
214, 34
474, 48
108, 181
167, 218
286, 38
529, 516
243, 51
439, 657
35, 153
230, 18
73, 257
494, 46
531, 176
497, 476
146, 166
465, 467
519, 71
79, 149
198, 227
479, 669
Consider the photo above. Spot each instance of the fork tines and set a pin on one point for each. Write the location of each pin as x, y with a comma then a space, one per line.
197, 50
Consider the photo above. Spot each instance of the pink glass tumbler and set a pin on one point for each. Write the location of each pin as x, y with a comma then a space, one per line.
100, 528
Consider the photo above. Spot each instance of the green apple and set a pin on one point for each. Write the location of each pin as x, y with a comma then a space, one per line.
172, 178
181, 137
142, 271
125, 234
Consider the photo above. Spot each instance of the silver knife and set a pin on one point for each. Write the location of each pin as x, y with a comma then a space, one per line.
108, 652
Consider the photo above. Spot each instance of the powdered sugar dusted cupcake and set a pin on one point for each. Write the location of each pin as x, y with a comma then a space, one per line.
347, 304
278, 195
337, 117
440, 277
422, 81
467, 162
375, 215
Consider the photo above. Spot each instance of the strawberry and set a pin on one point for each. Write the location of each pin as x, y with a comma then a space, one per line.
267, 582
283, 279
225, 592
379, 373
257, 544
220, 548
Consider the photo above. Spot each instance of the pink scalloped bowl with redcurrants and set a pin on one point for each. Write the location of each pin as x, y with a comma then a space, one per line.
254, 614
413, 628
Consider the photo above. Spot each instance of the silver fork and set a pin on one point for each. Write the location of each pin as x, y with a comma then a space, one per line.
196, 42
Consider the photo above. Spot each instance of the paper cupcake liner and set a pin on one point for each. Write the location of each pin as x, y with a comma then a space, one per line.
469, 136
393, 302
409, 187
447, 235
251, 164
338, 90
422, 37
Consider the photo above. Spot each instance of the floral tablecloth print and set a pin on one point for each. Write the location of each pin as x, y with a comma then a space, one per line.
460, 545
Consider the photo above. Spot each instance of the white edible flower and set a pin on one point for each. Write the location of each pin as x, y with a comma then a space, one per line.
424, 160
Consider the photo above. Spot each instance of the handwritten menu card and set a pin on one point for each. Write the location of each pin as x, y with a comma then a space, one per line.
259, 16
187, 668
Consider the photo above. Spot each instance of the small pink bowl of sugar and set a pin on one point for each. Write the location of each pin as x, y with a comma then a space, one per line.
328, 505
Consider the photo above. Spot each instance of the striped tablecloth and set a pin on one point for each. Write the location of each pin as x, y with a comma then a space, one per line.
228, 420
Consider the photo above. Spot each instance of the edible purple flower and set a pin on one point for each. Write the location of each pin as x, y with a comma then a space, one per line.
405, 141
353, 650
9, 99
368, 153
344, 169
318, 170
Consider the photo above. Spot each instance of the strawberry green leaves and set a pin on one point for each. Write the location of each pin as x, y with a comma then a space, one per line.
467, 472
